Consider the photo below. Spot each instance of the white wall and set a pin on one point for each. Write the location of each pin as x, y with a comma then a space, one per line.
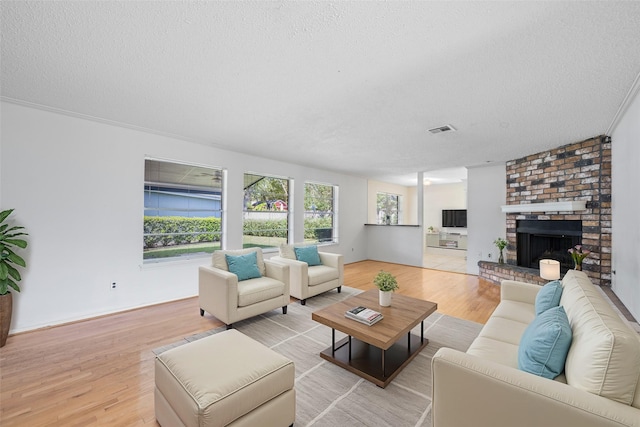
398, 244
443, 196
409, 199
625, 151
77, 188
487, 191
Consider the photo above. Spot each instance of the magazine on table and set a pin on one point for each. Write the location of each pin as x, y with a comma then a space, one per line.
364, 315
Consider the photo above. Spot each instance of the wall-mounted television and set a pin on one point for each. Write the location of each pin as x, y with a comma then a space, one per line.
454, 218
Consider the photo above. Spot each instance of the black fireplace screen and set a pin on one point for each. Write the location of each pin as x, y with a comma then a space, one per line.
539, 239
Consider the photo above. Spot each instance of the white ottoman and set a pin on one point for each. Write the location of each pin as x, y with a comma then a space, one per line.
227, 379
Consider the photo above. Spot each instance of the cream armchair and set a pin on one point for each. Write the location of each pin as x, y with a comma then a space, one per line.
230, 300
308, 281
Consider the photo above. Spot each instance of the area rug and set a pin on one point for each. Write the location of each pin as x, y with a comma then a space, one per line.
327, 395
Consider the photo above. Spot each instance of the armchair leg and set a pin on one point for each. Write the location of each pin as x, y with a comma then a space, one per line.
201, 312
339, 289
229, 326
303, 301
284, 309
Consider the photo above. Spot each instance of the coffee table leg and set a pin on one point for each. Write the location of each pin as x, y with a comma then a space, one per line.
349, 347
333, 342
422, 332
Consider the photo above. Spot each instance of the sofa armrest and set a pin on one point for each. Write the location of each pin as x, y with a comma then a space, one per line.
330, 259
519, 291
298, 275
217, 291
334, 260
278, 271
468, 390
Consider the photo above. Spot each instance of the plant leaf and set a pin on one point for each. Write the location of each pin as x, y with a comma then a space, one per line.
14, 285
16, 242
4, 214
3, 286
16, 259
4, 271
12, 232
13, 273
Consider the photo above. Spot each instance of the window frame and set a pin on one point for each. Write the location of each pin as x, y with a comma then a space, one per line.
398, 210
272, 212
158, 195
333, 213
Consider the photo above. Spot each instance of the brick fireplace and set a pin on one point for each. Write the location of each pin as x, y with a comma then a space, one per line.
576, 172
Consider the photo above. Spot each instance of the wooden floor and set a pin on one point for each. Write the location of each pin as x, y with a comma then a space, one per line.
100, 371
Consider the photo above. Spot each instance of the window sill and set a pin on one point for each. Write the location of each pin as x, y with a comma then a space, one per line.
393, 225
169, 262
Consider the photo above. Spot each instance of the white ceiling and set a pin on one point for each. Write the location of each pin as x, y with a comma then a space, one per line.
349, 86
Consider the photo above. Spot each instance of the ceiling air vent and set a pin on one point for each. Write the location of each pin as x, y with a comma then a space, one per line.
440, 129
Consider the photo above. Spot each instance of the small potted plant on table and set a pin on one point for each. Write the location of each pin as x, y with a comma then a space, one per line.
386, 283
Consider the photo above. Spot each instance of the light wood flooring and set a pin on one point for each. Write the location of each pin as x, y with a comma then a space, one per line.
100, 371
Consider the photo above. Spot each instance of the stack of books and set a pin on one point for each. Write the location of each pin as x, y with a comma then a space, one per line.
364, 315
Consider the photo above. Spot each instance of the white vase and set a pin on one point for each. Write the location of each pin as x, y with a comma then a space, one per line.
385, 298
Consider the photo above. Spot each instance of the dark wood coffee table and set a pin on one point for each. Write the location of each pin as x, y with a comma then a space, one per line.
379, 352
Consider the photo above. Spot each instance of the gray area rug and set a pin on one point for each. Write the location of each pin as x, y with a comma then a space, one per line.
327, 395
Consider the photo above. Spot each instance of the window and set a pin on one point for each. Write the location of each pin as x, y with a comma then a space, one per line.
388, 208
266, 211
182, 210
320, 213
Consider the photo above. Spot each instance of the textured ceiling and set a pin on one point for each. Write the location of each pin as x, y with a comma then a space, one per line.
346, 86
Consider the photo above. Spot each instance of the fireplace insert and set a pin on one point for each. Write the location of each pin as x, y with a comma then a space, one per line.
540, 239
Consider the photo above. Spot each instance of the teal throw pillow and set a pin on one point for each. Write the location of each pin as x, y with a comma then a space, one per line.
308, 254
548, 297
545, 343
243, 266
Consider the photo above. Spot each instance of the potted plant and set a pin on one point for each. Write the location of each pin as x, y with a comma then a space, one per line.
501, 244
386, 283
9, 275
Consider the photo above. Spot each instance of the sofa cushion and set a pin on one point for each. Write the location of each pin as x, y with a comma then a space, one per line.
548, 297
220, 261
515, 310
604, 358
545, 343
256, 290
496, 351
243, 266
320, 274
501, 329
308, 254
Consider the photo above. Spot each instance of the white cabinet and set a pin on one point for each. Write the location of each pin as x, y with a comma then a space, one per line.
447, 240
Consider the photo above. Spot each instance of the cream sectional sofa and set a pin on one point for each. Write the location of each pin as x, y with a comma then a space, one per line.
599, 387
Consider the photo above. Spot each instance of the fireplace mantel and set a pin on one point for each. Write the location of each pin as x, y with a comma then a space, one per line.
567, 206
